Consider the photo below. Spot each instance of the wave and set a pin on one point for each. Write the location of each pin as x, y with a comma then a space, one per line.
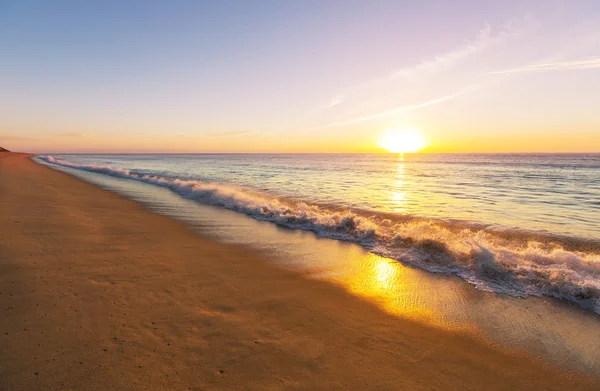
513, 262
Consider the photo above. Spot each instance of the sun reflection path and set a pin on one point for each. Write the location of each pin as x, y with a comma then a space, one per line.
399, 195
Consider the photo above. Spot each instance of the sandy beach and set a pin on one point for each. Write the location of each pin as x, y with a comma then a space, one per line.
96, 293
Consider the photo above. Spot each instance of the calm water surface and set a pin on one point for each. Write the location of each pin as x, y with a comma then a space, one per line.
553, 193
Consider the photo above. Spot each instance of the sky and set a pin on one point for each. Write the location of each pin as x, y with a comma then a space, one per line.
299, 76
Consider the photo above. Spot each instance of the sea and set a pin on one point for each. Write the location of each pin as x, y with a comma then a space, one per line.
515, 224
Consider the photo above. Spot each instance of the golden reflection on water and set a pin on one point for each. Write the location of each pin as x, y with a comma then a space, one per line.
398, 289
399, 195
384, 275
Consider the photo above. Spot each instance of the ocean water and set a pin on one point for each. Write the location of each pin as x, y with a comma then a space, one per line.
515, 224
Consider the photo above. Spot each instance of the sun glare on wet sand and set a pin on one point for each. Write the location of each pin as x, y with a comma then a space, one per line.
402, 141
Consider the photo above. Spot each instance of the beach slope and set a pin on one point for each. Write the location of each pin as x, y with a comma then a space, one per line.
97, 293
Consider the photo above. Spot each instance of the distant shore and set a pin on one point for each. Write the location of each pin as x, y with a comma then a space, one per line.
96, 293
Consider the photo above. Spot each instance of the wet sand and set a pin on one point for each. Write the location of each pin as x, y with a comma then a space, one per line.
96, 293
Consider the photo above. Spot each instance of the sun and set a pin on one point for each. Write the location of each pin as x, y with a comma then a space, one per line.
402, 141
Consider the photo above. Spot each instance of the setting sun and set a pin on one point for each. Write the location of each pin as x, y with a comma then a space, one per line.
402, 141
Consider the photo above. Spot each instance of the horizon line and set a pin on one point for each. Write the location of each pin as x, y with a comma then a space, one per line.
311, 153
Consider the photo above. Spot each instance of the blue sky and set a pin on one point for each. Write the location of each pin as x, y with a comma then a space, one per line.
195, 76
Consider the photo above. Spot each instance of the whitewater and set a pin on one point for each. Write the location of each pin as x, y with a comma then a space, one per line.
517, 260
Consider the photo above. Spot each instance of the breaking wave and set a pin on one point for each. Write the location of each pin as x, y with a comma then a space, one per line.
513, 262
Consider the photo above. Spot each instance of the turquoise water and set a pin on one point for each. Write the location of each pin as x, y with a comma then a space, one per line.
517, 224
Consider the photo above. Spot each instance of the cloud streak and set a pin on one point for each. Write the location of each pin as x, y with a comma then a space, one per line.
589, 63
335, 100
401, 109
484, 39
441, 62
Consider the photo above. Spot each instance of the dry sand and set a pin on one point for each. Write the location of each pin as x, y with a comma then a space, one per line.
98, 294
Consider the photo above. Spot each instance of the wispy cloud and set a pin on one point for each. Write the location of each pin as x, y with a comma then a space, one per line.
485, 38
443, 61
401, 109
416, 79
335, 100
589, 63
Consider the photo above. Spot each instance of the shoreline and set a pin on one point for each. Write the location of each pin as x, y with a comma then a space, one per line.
514, 261
98, 293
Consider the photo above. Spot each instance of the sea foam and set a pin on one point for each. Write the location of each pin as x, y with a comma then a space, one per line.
513, 262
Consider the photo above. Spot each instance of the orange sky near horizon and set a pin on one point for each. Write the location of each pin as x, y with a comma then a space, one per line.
253, 143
